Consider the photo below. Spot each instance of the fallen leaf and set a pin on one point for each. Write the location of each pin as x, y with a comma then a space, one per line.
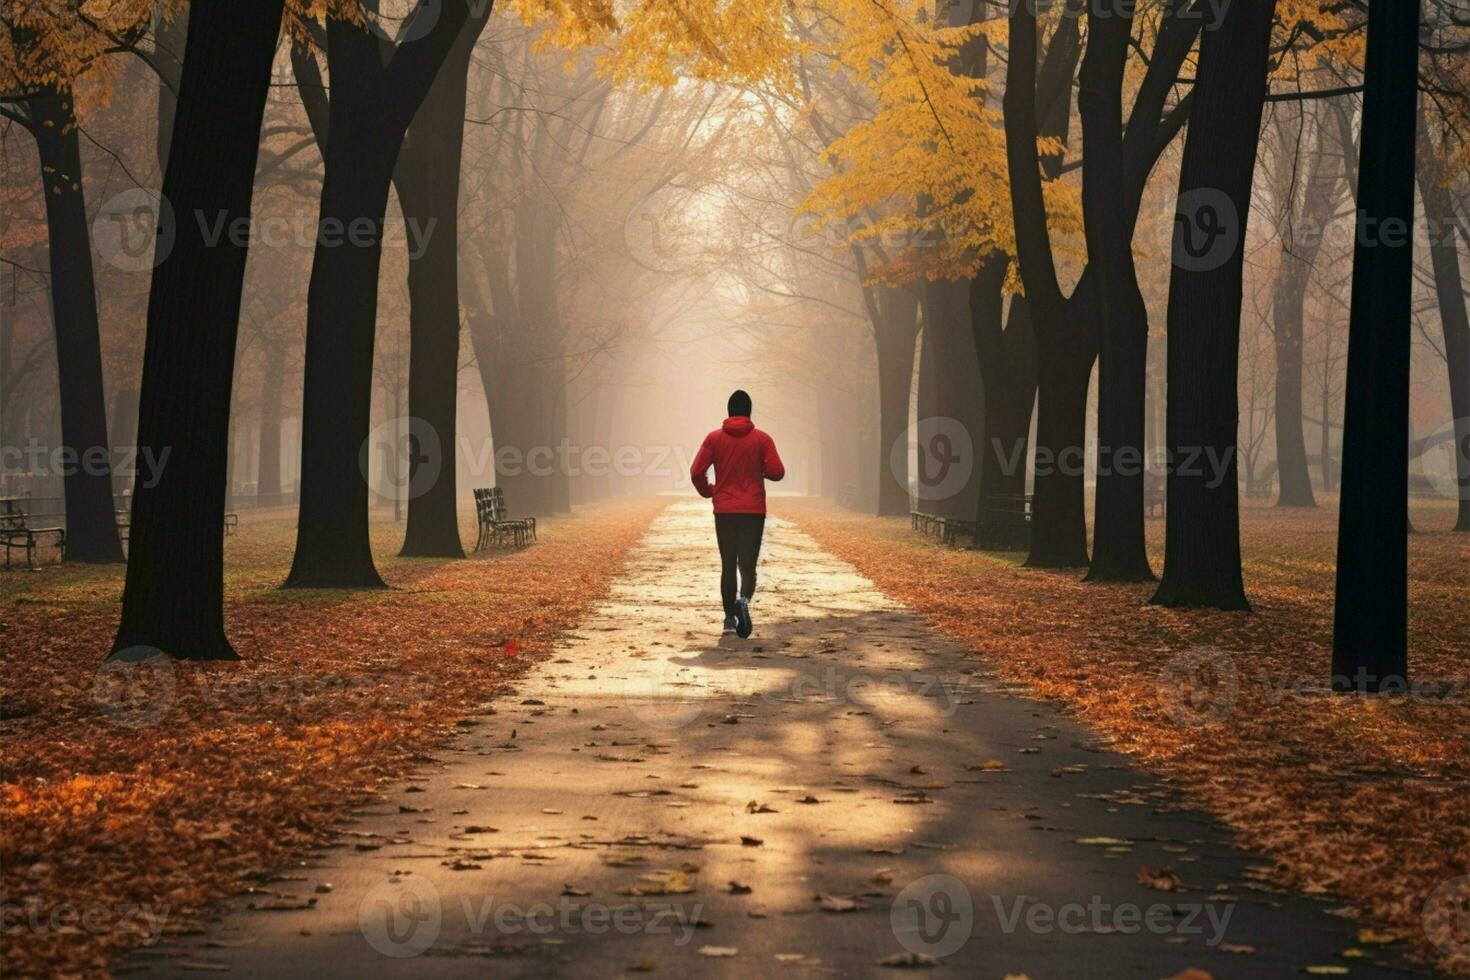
839, 903
1160, 879
718, 951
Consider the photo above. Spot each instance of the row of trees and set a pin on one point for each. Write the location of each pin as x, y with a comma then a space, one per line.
1142, 74
978, 175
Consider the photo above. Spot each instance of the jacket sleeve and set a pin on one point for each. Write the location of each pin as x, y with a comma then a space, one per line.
771, 461
699, 472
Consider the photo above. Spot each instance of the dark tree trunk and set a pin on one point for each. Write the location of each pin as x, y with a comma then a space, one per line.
894, 316
1064, 373
1453, 319
1119, 553
1301, 243
1291, 444
91, 523
948, 477
1324, 430
1008, 379
124, 419
561, 496
1369, 650
169, 42
1202, 539
427, 180
173, 599
926, 376
371, 108
268, 467
1065, 337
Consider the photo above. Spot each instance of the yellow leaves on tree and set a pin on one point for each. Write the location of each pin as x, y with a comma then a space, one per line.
653, 43
926, 174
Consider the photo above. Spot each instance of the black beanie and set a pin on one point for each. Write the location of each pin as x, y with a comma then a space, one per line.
739, 404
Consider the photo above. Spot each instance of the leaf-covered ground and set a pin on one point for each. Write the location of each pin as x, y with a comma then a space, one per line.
1363, 798
134, 798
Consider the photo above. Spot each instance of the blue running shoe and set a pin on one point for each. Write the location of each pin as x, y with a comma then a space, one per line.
743, 625
730, 625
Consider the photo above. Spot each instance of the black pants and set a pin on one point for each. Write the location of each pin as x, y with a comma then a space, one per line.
740, 545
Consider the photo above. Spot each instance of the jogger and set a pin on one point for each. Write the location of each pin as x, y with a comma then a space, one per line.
744, 458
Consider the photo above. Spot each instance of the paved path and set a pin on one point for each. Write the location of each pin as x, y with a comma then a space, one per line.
845, 788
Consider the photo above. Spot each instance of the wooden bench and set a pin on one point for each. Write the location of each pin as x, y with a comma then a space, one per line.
953, 528
16, 532
1005, 522
1260, 490
946, 529
847, 496
494, 526
922, 522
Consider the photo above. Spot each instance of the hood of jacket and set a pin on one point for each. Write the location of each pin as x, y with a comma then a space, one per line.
738, 426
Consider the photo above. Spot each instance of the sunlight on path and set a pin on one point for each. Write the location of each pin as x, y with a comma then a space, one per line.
845, 793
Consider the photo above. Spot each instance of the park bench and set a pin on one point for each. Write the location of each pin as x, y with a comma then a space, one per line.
946, 529
1005, 522
1260, 490
922, 522
953, 528
494, 526
16, 532
847, 496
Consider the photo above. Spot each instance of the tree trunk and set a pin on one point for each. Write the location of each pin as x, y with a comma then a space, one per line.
894, 315
1301, 243
1324, 431
1291, 445
268, 467
1008, 379
1065, 339
371, 108
427, 180
173, 598
1058, 515
1119, 553
948, 477
124, 440
1453, 319
91, 523
561, 496
169, 36
1369, 651
1202, 538
332, 546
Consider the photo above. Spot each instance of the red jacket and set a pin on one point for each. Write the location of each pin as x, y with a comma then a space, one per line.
744, 457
